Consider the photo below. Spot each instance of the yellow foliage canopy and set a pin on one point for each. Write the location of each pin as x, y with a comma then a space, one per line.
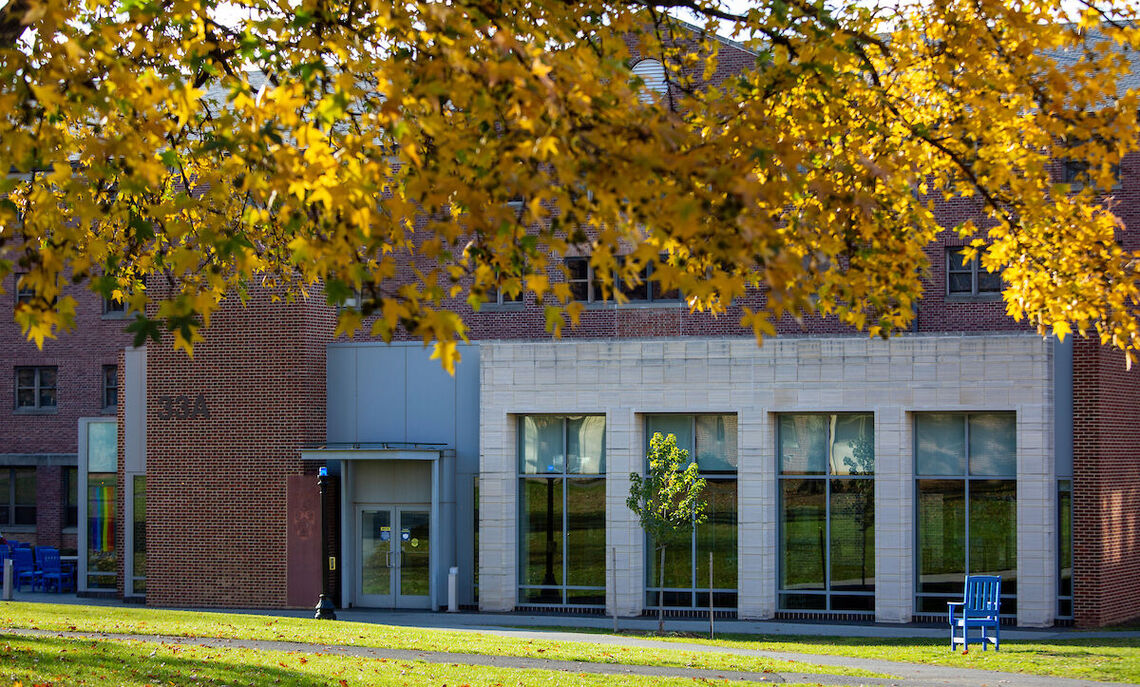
207, 145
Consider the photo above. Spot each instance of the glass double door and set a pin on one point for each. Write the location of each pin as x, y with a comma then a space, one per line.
395, 557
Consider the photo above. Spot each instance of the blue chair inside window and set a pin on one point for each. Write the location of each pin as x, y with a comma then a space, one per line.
978, 608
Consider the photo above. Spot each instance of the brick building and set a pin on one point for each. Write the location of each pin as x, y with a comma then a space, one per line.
848, 477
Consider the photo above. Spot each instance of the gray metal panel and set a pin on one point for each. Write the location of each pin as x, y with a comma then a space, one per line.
467, 411
381, 379
134, 414
1063, 407
430, 399
340, 381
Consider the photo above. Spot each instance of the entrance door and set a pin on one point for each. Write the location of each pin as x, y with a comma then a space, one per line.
395, 558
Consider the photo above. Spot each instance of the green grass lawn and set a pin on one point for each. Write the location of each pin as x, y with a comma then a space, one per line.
1112, 660
55, 661
201, 624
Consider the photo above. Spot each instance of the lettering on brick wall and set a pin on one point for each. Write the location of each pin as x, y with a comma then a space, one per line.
183, 407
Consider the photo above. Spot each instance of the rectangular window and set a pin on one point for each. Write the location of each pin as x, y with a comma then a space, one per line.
114, 308
71, 497
500, 297
1065, 549
101, 513
24, 293
110, 386
562, 508
1075, 173
711, 441
35, 387
18, 496
827, 512
648, 289
969, 278
584, 286
966, 498
138, 535
587, 287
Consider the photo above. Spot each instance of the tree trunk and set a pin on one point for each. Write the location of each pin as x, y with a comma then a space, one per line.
661, 595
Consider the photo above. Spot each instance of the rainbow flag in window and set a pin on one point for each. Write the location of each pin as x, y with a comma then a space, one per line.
101, 518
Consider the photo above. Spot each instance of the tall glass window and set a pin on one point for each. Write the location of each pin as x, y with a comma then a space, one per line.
711, 441
138, 535
827, 512
966, 496
562, 508
1065, 549
102, 507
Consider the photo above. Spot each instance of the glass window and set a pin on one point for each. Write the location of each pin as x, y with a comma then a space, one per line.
35, 387
1065, 549
114, 308
711, 441
139, 534
966, 493
827, 512
71, 497
110, 386
562, 508
18, 496
101, 513
968, 277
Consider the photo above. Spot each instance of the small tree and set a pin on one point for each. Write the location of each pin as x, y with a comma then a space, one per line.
667, 500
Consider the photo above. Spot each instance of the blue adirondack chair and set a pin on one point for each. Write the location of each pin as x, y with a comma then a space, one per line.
23, 568
978, 608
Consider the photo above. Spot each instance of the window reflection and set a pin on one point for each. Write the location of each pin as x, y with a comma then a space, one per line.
562, 509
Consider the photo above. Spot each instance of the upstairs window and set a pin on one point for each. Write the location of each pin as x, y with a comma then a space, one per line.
114, 308
110, 387
586, 286
1075, 173
969, 278
35, 388
24, 294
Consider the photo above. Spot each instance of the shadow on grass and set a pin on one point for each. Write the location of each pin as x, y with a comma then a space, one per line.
55, 661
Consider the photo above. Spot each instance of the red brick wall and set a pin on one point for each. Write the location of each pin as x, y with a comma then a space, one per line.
216, 489
1106, 487
79, 357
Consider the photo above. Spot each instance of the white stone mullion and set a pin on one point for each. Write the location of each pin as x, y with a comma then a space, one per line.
756, 516
623, 533
1036, 503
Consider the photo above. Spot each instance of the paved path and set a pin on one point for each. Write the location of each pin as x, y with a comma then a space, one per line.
906, 674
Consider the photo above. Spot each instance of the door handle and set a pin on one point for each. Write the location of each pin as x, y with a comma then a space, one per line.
399, 558
388, 560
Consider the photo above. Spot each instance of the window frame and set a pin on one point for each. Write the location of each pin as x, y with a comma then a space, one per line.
9, 504
827, 477
37, 388
114, 310
108, 388
697, 568
564, 475
954, 265
593, 287
1009, 600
